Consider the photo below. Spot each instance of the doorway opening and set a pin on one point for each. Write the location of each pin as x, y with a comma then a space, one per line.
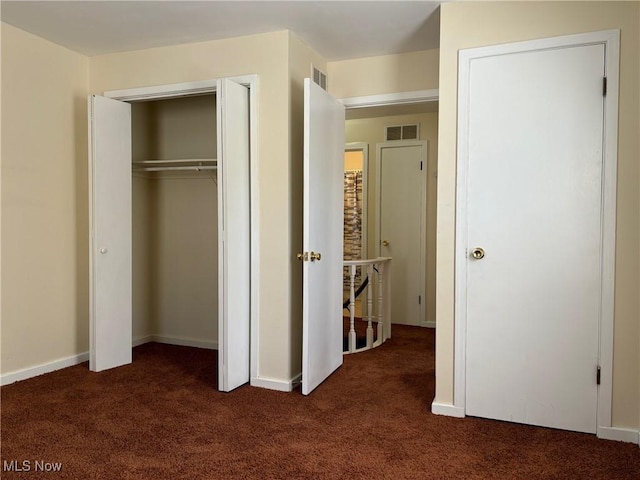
367, 124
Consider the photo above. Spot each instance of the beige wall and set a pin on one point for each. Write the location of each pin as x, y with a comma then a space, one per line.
1, 204
301, 57
354, 160
404, 72
185, 288
371, 131
175, 229
472, 24
44, 208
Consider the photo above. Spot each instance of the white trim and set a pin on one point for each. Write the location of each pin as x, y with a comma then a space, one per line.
174, 90
163, 91
91, 202
279, 385
423, 224
43, 368
619, 434
364, 148
254, 167
49, 367
137, 341
430, 324
400, 98
447, 410
611, 40
181, 341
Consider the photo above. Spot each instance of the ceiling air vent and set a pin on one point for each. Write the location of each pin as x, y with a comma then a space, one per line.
319, 78
402, 132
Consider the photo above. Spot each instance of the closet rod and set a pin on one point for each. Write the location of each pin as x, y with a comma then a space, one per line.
182, 160
161, 169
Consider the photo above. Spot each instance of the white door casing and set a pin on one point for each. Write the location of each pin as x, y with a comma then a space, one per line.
401, 220
110, 233
323, 224
536, 190
234, 249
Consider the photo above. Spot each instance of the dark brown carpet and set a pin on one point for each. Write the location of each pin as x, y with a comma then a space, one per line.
162, 418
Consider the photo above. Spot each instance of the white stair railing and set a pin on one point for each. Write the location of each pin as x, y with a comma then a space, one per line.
377, 273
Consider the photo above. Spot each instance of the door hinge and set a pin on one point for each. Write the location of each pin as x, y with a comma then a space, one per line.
419, 299
598, 375
604, 86
420, 165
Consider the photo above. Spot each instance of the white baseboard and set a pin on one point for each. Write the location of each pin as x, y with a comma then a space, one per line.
31, 372
279, 385
141, 340
182, 341
447, 410
430, 324
619, 434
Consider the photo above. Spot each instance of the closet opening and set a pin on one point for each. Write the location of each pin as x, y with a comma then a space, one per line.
175, 221
172, 256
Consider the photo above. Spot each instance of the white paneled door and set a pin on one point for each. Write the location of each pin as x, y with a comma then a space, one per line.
110, 233
322, 243
234, 231
534, 242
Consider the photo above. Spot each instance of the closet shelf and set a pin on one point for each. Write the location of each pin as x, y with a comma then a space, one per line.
193, 164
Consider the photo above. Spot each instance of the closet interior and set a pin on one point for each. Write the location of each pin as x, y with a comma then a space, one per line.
175, 221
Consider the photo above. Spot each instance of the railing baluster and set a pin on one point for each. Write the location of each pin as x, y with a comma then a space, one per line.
369, 306
352, 310
379, 271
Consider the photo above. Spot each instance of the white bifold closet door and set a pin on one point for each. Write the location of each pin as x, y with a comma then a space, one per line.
234, 234
111, 232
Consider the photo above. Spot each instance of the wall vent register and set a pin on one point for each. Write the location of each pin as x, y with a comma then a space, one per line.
402, 132
319, 78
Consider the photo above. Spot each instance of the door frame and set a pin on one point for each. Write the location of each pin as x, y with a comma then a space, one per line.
611, 41
364, 148
423, 210
392, 99
175, 90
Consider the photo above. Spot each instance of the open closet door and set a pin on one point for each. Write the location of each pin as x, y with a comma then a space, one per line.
322, 238
110, 233
234, 233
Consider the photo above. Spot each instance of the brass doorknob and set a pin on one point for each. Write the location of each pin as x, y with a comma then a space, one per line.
477, 253
385, 243
300, 256
315, 256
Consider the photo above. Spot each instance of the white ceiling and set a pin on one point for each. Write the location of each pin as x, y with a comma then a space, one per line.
335, 29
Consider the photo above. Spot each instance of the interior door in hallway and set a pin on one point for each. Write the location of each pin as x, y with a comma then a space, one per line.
402, 225
534, 241
322, 236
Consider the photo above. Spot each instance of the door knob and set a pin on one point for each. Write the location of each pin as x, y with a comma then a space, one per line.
477, 253
315, 256
385, 243
103, 250
302, 257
